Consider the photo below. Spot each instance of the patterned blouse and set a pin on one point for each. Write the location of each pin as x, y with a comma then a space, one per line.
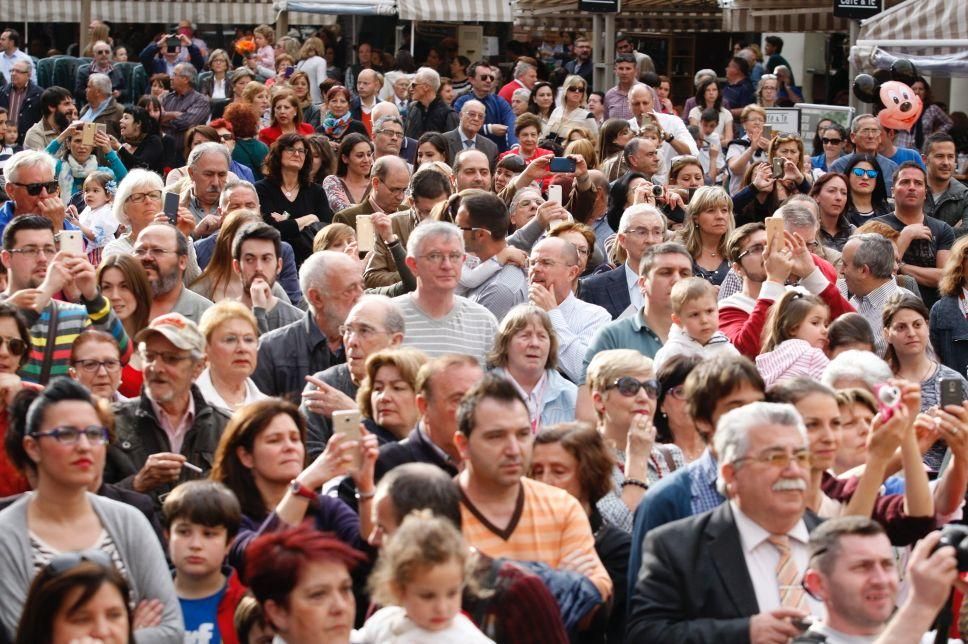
612, 507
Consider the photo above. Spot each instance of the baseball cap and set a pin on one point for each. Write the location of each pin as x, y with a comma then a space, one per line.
179, 330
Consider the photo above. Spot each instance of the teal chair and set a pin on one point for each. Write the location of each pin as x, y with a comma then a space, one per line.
45, 71
65, 71
127, 72
139, 82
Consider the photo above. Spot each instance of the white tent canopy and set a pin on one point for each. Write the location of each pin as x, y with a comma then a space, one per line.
933, 34
339, 7
466, 11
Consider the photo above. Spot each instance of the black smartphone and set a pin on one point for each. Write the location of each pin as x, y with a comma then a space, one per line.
562, 164
171, 207
778, 164
951, 392
289, 71
173, 42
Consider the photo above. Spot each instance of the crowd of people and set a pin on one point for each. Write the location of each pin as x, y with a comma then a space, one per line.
293, 354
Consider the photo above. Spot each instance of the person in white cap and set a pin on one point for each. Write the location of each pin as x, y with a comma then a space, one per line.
169, 433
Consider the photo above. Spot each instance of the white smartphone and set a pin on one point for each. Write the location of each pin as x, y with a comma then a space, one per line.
774, 228
347, 423
554, 193
72, 241
365, 233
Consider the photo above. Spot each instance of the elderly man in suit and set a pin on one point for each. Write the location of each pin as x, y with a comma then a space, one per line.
734, 574
467, 136
388, 185
21, 98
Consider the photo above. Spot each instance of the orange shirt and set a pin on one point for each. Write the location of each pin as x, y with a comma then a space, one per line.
548, 524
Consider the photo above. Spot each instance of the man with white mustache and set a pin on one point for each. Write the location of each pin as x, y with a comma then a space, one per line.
733, 574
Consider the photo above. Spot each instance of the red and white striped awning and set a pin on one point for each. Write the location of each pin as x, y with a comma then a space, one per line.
456, 10
227, 12
922, 25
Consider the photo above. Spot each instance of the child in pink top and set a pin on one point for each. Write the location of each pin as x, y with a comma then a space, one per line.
794, 338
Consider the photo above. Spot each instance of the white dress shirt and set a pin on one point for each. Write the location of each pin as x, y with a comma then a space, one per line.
575, 322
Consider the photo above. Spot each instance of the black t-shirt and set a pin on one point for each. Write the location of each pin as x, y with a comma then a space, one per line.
923, 252
311, 200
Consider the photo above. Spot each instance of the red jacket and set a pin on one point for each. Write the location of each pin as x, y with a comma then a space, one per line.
225, 616
268, 135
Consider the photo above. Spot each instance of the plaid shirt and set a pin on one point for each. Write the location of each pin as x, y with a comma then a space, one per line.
705, 496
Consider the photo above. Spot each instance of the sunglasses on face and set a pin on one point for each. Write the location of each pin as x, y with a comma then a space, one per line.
629, 386
15, 346
831, 141
576, 89
486, 77
33, 189
860, 172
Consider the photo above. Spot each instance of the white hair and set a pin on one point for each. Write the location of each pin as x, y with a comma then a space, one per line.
314, 272
521, 94
430, 229
136, 178
856, 365
639, 209
429, 76
393, 318
28, 159
232, 186
731, 440
101, 82
208, 147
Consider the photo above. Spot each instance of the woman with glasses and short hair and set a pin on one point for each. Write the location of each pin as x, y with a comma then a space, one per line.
60, 436
766, 90
231, 342
96, 364
289, 199
624, 392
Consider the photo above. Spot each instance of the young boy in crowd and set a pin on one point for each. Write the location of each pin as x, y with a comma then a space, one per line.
710, 146
201, 518
695, 323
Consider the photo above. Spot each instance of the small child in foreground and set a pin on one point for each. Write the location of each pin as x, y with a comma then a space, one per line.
695, 328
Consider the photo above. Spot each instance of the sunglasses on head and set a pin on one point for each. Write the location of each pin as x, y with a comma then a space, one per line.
70, 560
860, 172
629, 386
827, 141
33, 189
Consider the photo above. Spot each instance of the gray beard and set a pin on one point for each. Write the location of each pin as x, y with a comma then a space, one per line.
165, 283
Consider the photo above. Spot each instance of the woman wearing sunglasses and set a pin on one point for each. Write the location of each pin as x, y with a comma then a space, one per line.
77, 597
59, 437
866, 190
624, 392
14, 351
833, 138
571, 111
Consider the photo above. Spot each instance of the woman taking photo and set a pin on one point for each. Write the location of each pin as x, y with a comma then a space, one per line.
351, 183
262, 451
231, 340
673, 424
302, 581
78, 597
123, 281
709, 221
289, 200
832, 139
571, 112
615, 133
708, 96
60, 436
387, 396
868, 190
542, 103
299, 83
216, 83
948, 320
76, 161
337, 122
749, 149
624, 393
142, 147
622, 194
14, 352
830, 193
761, 194
526, 353
248, 150
575, 458
286, 119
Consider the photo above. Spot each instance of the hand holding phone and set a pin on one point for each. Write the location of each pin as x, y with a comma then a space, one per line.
71, 241
171, 207
347, 423
554, 193
774, 228
562, 164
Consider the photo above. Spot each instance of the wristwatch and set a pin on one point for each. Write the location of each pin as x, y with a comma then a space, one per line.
299, 489
669, 138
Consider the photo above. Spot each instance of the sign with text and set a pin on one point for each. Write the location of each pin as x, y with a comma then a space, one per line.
783, 119
811, 115
857, 9
599, 6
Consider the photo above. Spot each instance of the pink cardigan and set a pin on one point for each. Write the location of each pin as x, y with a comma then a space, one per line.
792, 359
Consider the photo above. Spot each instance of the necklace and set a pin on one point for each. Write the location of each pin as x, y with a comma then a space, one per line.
290, 192
710, 252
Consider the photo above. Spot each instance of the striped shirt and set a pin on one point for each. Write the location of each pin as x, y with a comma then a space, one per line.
53, 332
469, 328
502, 291
575, 322
548, 525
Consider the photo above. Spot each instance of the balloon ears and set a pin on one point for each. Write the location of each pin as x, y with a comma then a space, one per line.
896, 105
865, 88
903, 70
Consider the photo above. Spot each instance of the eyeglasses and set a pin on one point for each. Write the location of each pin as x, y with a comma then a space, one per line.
362, 331
582, 250
33, 189
779, 459
629, 386
827, 141
139, 197
438, 258
70, 560
574, 88
390, 133
67, 435
755, 249
642, 232
860, 172
152, 252
227, 137
91, 366
486, 77
20, 71
236, 340
15, 346
297, 151
102, 51
678, 392
31, 252
869, 131
170, 359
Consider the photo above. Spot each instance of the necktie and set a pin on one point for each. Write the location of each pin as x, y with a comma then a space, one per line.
469, 144
787, 576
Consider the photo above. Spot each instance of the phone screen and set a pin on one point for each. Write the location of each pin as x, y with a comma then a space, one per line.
562, 164
171, 206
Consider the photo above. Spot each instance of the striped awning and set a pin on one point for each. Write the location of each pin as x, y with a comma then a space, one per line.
786, 16
924, 20
456, 10
227, 12
637, 16
339, 7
